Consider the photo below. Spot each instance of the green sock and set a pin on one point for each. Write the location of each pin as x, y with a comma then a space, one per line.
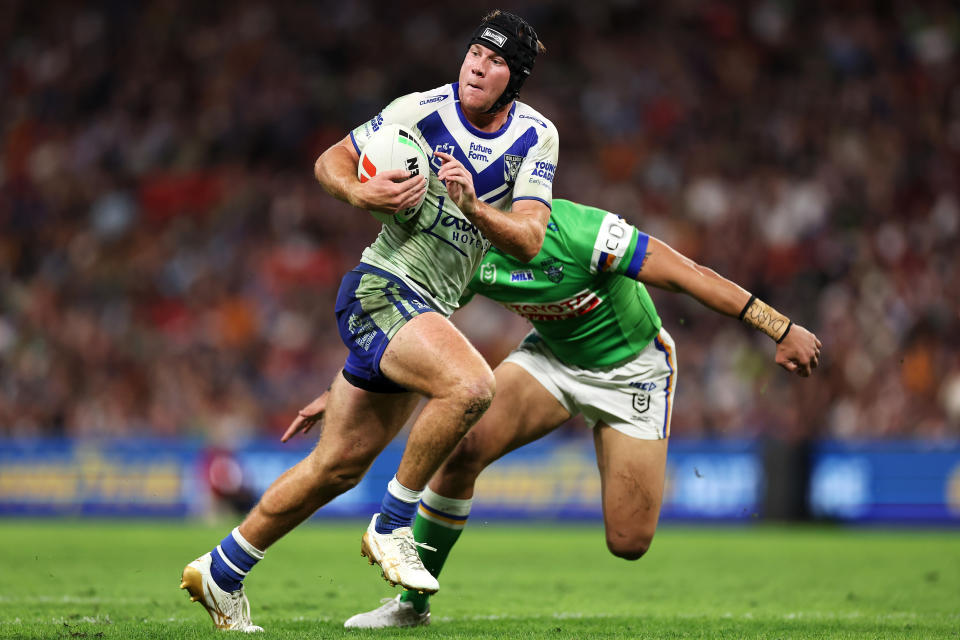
439, 523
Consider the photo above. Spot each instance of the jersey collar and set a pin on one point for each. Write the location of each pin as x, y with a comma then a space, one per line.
472, 129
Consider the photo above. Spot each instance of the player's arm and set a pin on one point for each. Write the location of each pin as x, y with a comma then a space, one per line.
798, 350
518, 233
388, 191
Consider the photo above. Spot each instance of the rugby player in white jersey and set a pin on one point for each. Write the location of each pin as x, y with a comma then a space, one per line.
491, 182
598, 348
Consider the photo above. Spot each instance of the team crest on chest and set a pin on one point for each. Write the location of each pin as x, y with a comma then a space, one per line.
553, 268
511, 167
488, 273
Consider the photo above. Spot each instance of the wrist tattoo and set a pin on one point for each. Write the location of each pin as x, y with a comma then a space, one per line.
759, 315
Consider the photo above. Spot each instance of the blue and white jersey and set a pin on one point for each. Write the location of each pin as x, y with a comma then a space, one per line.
437, 251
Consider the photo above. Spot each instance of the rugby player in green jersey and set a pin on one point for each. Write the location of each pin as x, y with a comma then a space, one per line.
598, 349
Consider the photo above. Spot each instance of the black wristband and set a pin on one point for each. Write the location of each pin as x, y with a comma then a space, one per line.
789, 324
743, 311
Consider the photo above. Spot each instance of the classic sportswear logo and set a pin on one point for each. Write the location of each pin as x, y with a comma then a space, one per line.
433, 99
537, 120
495, 37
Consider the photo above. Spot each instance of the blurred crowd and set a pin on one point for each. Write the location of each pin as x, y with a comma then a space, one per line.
168, 264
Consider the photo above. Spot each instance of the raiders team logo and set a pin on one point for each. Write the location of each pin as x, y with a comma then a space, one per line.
553, 268
511, 167
488, 273
641, 402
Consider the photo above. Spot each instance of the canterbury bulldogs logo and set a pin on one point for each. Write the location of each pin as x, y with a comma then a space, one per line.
511, 167
495, 37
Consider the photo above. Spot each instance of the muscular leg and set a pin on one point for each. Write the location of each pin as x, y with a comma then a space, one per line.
523, 411
430, 355
631, 477
357, 426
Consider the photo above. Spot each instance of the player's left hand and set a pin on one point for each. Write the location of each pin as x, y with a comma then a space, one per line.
459, 183
307, 417
799, 352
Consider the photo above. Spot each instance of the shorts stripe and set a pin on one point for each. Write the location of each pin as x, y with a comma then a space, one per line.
440, 517
391, 295
668, 352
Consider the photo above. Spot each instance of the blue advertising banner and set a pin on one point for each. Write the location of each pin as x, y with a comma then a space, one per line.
104, 478
556, 477
886, 481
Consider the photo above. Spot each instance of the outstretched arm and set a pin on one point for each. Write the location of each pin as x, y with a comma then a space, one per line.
798, 350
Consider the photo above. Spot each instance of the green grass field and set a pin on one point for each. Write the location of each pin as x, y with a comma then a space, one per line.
118, 579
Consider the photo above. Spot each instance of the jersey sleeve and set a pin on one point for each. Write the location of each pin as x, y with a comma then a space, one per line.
404, 110
618, 248
535, 177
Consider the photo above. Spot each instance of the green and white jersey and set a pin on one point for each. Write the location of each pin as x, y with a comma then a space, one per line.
438, 250
580, 292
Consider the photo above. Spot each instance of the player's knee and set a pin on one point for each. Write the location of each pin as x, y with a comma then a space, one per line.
476, 394
629, 547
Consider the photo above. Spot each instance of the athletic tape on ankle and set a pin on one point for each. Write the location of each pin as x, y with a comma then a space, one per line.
759, 315
452, 506
246, 546
400, 492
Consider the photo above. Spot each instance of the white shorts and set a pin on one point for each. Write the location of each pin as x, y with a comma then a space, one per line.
635, 397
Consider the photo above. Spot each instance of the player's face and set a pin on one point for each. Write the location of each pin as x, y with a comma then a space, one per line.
484, 75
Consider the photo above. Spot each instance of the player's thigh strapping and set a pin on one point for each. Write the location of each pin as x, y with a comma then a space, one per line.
372, 306
634, 397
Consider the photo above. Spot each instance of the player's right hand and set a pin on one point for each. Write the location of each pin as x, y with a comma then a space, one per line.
799, 352
307, 417
391, 191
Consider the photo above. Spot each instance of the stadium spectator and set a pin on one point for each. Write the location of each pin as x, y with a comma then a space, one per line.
165, 262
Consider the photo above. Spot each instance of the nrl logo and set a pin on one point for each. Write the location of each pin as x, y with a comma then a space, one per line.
641, 402
554, 269
511, 167
488, 273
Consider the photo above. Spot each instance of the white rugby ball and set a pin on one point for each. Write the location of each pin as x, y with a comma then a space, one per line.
394, 146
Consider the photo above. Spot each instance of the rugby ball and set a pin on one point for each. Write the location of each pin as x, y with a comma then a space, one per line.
394, 146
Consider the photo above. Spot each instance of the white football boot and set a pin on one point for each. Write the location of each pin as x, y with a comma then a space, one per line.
396, 554
393, 613
229, 610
